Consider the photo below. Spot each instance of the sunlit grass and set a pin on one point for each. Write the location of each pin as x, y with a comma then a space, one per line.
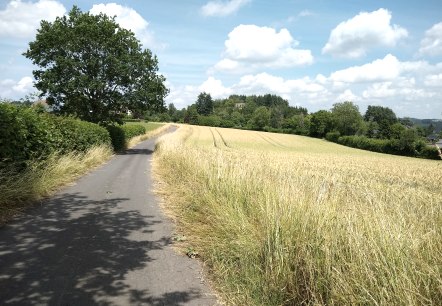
150, 126
42, 178
290, 220
152, 129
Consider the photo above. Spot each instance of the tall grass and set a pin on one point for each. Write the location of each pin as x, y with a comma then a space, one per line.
152, 130
289, 220
43, 177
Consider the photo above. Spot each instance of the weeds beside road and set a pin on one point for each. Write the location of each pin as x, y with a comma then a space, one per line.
42, 178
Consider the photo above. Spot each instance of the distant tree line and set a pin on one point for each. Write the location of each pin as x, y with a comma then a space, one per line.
379, 129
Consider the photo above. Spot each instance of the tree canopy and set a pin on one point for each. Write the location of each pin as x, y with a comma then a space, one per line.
92, 68
382, 118
346, 117
204, 104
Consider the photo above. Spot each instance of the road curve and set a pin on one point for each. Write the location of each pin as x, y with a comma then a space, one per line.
103, 241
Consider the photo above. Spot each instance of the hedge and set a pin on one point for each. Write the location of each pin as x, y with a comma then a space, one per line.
332, 136
27, 134
120, 135
389, 146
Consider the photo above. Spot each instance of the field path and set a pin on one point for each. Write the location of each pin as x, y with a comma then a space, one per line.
103, 241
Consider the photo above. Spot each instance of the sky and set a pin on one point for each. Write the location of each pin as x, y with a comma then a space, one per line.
312, 53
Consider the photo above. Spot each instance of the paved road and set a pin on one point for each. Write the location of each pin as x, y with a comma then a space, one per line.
103, 241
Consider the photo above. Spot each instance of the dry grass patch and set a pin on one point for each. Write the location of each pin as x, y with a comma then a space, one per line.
152, 130
42, 178
290, 220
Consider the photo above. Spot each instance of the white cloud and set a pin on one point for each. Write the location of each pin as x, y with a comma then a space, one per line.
347, 95
227, 64
305, 13
249, 47
215, 88
222, 8
434, 80
379, 90
352, 38
182, 96
129, 19
432, 42
11, 89
21, 19
384, 69
409, 88
265, 83
23, 86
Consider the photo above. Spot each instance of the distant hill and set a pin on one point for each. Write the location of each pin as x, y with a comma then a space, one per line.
437, 123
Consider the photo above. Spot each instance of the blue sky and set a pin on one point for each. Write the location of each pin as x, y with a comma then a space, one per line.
313, 53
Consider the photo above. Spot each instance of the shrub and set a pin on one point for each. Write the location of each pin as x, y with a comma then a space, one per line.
429, 152
27, 134
77, 135
332, 136
212, 120
120, 135
390, 146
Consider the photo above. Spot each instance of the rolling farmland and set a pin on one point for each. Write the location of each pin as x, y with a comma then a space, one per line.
283, 219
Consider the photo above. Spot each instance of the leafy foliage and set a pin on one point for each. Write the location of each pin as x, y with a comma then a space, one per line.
346, 118
92, 68
28, 134
204, 104
382, 118
120, 135
333, 136
320, 123
260, 118
406, 145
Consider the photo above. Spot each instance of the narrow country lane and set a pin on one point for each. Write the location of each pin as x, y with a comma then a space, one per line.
103, 241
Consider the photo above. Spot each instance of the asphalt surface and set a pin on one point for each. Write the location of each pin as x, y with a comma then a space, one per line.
102, 241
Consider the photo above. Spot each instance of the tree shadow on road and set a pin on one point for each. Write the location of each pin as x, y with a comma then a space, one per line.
53, 255
137, 151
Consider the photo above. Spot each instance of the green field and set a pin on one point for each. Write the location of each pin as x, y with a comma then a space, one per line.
290, 220
150, 126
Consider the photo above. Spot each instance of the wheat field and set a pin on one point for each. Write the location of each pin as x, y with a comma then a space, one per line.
291, 220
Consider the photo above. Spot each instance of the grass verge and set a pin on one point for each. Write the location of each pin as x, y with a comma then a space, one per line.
152, 130
42, 178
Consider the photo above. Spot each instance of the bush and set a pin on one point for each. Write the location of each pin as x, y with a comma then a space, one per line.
27, 134
77, 135
430, 152
212, 120
120, 135
390, 146
332, 136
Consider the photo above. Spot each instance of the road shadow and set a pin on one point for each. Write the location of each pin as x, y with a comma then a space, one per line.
78, 251
137, 151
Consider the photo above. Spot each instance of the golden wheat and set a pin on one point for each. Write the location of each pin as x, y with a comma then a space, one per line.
289, 220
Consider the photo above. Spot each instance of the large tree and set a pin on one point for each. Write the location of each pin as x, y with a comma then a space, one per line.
347, 119
204, 104
383, 117
92, 68
260, 118
320, 123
